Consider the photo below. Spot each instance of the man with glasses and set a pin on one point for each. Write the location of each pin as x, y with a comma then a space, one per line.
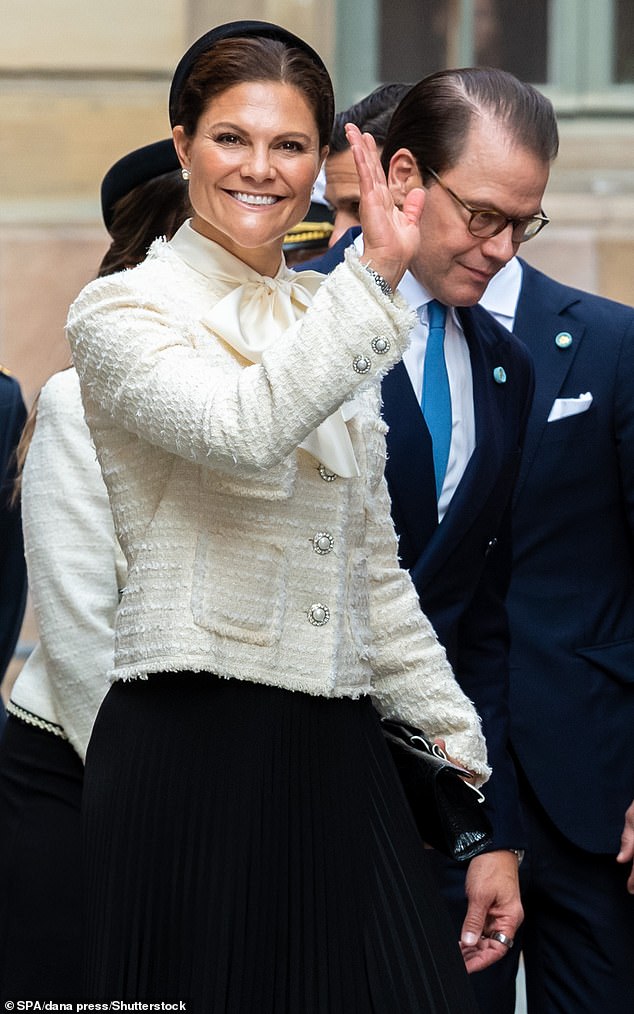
480, 143
487, 223
571, 598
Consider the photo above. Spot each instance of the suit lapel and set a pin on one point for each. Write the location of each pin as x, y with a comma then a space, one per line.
410, 466
539, 320
409, 471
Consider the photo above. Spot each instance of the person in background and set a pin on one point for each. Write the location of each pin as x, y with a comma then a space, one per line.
454, 528
142, 198
309, 238
371, 115
12, 565
248, 844
76, 570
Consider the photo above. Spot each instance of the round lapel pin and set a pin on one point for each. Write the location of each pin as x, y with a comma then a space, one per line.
499, 375
563, 340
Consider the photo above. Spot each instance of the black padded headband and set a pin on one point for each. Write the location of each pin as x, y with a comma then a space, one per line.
232, 30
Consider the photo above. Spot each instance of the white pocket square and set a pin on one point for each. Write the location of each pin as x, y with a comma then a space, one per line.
563, 407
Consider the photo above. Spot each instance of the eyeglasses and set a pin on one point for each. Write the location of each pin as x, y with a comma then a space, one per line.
485, 223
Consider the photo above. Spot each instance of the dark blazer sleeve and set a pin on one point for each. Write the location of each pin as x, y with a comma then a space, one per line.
12, 563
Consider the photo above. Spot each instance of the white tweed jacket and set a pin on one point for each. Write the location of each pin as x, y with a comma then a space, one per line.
246, 557
75, 568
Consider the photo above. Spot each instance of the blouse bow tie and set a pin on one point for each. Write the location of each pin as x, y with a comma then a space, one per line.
251, 316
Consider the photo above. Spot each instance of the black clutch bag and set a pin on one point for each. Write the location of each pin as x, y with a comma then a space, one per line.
447, 810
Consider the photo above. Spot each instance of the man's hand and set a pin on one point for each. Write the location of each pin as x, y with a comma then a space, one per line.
493, 894
626, 855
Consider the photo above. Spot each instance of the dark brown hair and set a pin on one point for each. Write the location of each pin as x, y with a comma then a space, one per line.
155, 208
235, 61
371, 114
434, 118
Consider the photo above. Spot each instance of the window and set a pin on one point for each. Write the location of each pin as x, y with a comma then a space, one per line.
581, 52
624, 45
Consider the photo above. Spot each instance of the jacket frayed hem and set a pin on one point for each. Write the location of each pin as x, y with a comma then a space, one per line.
295, 685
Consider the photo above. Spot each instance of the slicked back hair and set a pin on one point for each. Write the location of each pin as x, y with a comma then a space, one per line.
434, 118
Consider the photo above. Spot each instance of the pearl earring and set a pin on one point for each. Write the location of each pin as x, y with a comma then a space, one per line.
185, 174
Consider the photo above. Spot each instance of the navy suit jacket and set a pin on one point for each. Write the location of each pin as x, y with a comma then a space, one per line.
12, 564
571, 600
461, 567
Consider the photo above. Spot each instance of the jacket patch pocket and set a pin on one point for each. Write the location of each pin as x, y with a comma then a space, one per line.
238, 587
274, 484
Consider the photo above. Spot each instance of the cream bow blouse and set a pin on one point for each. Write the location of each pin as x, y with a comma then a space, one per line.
255, 310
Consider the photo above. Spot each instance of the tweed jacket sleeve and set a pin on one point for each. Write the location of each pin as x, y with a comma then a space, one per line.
412, 678
75, 567
141, 357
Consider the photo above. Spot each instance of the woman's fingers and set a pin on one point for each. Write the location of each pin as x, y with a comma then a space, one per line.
369, 169
391, 234
413, 205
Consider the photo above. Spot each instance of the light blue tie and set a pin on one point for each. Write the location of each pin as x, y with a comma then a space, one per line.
436, 397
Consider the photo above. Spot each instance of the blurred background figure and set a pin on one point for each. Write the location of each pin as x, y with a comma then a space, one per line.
371, 115
310, 238
76, 570
12, 564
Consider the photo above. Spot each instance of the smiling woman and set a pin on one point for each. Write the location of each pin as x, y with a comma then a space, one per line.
248, 844
252, 163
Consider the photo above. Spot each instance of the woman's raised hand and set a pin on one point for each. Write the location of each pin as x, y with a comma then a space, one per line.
391, 235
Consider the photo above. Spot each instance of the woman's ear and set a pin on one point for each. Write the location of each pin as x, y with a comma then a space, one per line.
181, 143
403, 175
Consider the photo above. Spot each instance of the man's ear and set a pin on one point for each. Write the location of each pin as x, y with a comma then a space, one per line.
403, 175
323, 155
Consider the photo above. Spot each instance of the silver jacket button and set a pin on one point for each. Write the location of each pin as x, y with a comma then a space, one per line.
361, 364
318, 614
326, 474
381, 346
323, 542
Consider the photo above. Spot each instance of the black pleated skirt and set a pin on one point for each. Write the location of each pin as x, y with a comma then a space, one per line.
250, 850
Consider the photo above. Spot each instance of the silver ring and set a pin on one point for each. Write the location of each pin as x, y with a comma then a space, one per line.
502, 939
